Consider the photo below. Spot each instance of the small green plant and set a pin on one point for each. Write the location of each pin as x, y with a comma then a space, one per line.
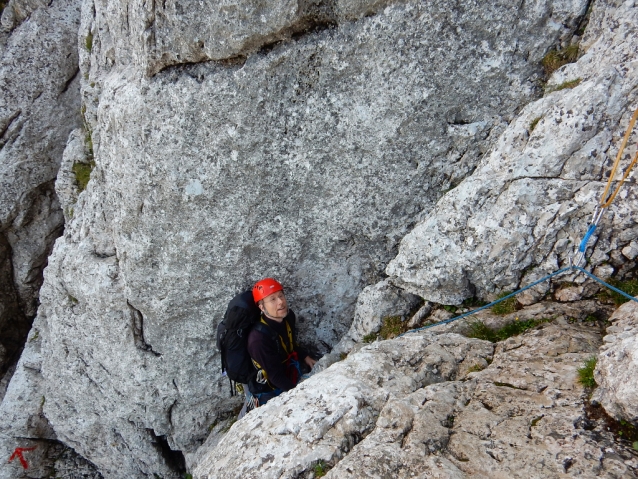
563, 86
535, 421
35, 336
321, 469
591, 319
556, 59
188, 476
82, 172
505, 307
88, 42
534, 122
449, 308
343, 356
73, 300
476, 368
42, 401
635, 445
370, 338
630, 287
586, 373
479, 330
391, 327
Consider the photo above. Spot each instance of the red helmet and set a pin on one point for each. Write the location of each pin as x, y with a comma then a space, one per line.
266, 287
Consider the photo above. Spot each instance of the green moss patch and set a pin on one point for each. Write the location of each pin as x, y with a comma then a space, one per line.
479, 330
82, 172
88, 42
556, 59
391, 327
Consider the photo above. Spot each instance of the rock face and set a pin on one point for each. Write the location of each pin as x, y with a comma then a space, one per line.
526, 207
24, 425
617, 365
40, 105
329, 413
411, 407
307, 161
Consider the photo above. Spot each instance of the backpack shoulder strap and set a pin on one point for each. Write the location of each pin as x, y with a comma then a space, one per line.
266, 330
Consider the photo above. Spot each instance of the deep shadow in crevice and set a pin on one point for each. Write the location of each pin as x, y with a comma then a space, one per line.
174, 459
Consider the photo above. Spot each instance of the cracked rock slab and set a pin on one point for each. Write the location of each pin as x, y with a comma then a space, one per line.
328, 414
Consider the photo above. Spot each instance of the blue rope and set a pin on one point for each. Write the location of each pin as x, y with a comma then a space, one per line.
583, 243
545, 278
613, 288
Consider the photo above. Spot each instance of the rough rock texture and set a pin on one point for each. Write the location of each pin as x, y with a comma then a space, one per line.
377, 302
617, 366
23, 424
39, 106
154, 36
324, 417
526, 207
308, 161
388, 416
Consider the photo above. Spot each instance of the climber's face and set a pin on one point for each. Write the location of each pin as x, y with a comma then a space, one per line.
275, 306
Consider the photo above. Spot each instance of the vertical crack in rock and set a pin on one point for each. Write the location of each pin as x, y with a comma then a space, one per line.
137, 323
69, 82
14, 325
174, 459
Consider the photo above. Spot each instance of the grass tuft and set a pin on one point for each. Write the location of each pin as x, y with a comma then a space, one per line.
321, 469
556, 59
479, 330
505, 307
563, 86
534, 122
586, 373
630, 287
391, 327
370, 338
88, 42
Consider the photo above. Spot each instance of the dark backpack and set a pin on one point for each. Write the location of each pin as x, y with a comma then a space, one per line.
232, 337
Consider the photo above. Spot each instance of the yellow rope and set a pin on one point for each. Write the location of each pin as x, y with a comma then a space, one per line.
604, 200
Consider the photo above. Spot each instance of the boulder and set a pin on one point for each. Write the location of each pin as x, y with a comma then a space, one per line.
617, 365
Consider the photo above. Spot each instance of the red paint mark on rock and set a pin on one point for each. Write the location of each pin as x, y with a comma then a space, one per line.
18, 453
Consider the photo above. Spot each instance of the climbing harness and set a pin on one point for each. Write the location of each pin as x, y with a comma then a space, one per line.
606, 200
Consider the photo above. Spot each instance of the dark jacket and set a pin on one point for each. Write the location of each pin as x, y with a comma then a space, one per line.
271, 356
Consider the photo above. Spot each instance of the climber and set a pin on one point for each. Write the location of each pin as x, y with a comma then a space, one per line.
273, 348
